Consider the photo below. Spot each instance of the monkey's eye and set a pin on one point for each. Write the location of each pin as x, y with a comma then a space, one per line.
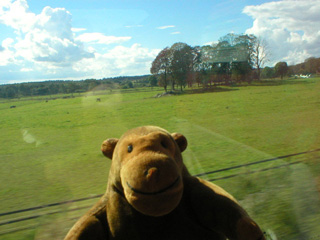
164, 144
130, 148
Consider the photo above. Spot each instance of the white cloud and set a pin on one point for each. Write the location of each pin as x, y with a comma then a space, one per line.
290, 27
78, 29
101, 38
212, 43
119, 61
46, 46
6, 43
26, 70
4, 3
6, 54
46, 38
5, 57
165, 27
15, 15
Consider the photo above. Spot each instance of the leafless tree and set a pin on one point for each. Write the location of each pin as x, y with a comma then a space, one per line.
259, 53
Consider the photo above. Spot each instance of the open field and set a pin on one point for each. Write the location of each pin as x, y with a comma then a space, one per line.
50, 151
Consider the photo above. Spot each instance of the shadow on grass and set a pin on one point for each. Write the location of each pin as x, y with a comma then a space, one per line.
236, 86
196, 91
276, 82
209, 90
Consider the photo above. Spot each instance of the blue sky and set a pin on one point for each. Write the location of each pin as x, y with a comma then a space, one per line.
195, 22
80, 39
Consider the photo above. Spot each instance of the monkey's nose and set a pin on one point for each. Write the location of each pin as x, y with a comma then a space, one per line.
151, 173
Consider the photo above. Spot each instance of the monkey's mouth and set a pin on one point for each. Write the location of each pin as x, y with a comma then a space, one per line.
157, 192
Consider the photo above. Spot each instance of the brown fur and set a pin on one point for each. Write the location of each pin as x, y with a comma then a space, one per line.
151, 195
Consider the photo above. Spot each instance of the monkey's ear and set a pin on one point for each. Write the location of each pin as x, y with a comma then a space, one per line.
108, 147
180, 140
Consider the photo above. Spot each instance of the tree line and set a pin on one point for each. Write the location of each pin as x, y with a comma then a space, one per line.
231, 59
235, 58
310, 66
30, 89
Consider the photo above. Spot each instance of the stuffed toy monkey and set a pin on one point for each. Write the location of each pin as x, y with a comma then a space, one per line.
151, 195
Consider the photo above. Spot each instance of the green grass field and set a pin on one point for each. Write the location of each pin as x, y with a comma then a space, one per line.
50, 151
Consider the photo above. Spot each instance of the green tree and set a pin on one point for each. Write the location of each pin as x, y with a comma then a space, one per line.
130, 84
11, 92
268, 72
153, 81
241, 71
204, 64
161, 67
181, 64
281, 69
24, 89
93, 83
234, 48
312, 65
222, 71
232, 57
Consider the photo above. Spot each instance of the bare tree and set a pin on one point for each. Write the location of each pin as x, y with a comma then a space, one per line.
259, 53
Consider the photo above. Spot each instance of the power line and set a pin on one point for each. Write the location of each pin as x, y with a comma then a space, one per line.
256, 171
49, 205
99, 195
196, 175
257, 162
18, 229
41, 215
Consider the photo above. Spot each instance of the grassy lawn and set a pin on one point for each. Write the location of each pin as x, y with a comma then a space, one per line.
50, 151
